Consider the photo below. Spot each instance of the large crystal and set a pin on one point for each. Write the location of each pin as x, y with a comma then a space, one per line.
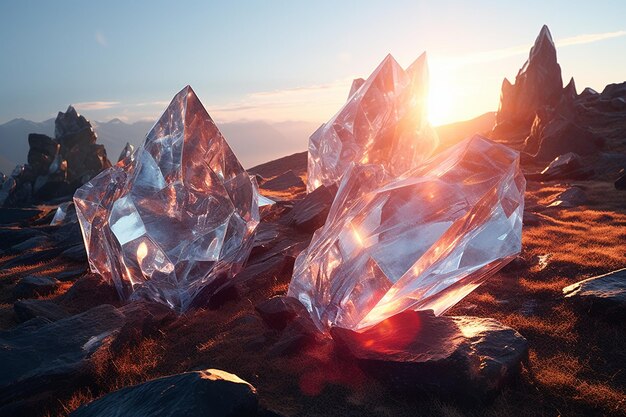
174, 216
383, 122
420, 241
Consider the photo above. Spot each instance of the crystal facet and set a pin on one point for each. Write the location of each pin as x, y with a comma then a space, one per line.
175, 215
383, 122
420, 241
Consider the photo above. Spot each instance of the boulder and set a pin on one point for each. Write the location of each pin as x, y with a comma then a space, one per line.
469, 358
278, 311
209, 392
603, 295
567, 166
571, 197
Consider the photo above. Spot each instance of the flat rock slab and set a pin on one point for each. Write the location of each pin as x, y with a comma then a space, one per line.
309, 214
18, 215
603, 295
470, 358
29, 309
210, 392
39, 356
31, 286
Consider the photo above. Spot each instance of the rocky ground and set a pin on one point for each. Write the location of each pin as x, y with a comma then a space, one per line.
67, 339
545, 336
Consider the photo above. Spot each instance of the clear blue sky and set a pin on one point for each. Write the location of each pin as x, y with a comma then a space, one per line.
283, 60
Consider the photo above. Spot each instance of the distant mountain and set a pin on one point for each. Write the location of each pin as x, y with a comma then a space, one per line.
454, 132
14, 141
254, 142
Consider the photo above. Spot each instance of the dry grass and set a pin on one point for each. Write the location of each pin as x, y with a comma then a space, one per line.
575, 368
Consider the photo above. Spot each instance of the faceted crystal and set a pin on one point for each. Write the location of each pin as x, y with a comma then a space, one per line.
420, 241
175, 215
383, 122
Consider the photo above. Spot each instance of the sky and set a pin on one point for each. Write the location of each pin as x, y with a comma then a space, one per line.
285, 60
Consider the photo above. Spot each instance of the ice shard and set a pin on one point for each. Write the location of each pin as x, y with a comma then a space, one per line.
177, 214
420, 241
384, 122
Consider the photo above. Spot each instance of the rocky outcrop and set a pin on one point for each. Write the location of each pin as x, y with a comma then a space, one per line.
538, 83
56, 166
555, 135
211, 392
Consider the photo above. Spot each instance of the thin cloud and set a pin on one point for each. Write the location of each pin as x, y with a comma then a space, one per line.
499, 54
96, 105
306, 103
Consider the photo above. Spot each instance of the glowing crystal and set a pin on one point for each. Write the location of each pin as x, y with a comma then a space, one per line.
421, 241
174, 216
383, 122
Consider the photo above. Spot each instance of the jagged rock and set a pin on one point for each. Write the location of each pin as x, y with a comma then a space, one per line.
85, 161
467, 357
42, 357
210, 392
126, 152
538, 83
69, 123
603, 295
29, 309
43, 150
589, 94
571, 197
56, 167
32, 286
560, 136
612, 91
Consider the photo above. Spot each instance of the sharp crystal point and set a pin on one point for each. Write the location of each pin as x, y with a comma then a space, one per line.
177, 214
383, 122
420, 241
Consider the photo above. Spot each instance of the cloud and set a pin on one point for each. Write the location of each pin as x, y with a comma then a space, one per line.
312, 103
96, 105
499, 54
102, 41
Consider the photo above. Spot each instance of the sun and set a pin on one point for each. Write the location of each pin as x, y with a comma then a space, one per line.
441, 100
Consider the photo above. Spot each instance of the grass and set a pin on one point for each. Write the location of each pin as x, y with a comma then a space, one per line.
575, 366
